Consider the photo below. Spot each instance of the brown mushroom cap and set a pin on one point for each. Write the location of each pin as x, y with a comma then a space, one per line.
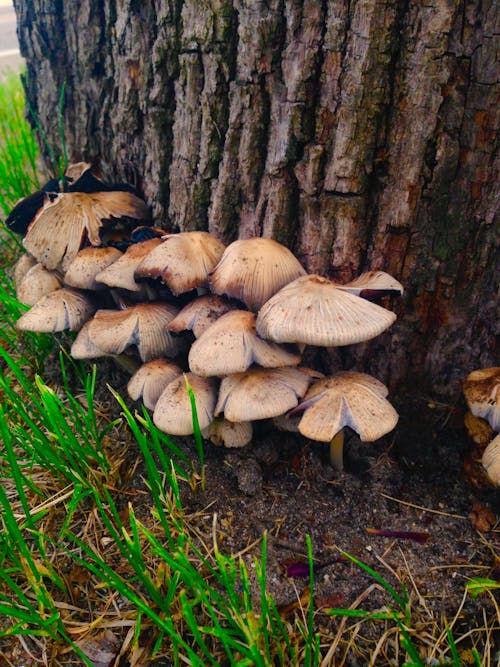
261, 393
349, 399
64, 309
121, 273
37, 282
373, 281
482, 393
491, 460
82, 271
182, 261
200, 314
66, 220
150, 380
313, 311
230, 434
173, 414
252, 270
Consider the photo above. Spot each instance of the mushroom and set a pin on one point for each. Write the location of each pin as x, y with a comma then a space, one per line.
252, 270
491, 460
37, 282
200, 314
230, 434
482, 393
62, 309
173, 412
83, 270
121, 273
373, 283
231, 345
23, 265
313, 311
182, 261
150, 380
349, 399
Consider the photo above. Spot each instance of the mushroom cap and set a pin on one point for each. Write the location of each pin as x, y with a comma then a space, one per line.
143, 325
252, 270
373, 281
173, 414
66, 220
349, 399
231, 345
150, 380
312, 310
83, 346
482, 393
121, 272
491, 460
200, 314
230, 434
261, 393
83, 270
23, 265
37, 282
63, 309
183, 261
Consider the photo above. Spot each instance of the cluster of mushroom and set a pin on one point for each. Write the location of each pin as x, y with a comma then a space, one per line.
249, 310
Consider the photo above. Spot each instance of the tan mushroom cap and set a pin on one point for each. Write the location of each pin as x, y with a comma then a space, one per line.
373, 281
482, 393
150, 380
142, 325
64, 309
173, 414
252, 270
83, 346
76, 169
66, 220
182, 261
313, 311
200, 314
230, 434
261, 393
23, 265
491, 460
83, 270
231, 345
121, 273
349, 399
37, 282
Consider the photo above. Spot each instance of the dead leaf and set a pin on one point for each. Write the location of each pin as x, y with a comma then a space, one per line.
286, 610
101, 650
482, 518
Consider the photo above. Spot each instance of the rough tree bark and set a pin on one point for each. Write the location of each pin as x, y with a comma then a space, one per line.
360, 133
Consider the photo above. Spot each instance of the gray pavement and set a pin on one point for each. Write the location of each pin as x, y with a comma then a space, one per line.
10, 58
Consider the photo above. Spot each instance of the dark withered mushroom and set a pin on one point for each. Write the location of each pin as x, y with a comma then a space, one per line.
482, 393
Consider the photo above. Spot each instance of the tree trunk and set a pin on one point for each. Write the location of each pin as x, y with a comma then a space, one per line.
360, 133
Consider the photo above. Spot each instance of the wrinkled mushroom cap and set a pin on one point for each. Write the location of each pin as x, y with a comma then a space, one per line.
373, 282
150, 380
200, 314
121, 273
37, 282
349, 399
182, 261
83, 270
230, 434
231, 345
173, 414
491, 460
252, 270
64, 309
313, 311
482, 393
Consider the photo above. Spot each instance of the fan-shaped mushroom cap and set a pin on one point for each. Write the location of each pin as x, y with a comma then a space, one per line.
37, 282
183, 261
230, 434
200, 314
60, 310
313, 311
23, 265
261, 393
491, 460
83, 346
231, 345
482, 393
83, 270
373, 281
66, 220
121, 272
347, 399
252, 270
150, 380
173, 412
143, 325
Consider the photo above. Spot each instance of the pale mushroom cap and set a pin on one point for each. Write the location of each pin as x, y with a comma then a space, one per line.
231, 345
373, 281
121, 273
482, 393
348, 399
183, 261
173, 414
491, 460
230, 434
83, 346
64, 309
66, 220
252, 270
200, 314
150, 380
313, 311
37, 282
261, 393
83, 270
23, 265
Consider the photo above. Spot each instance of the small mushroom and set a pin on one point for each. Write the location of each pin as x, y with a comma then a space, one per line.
373, 283
63, 309
150, 380
200, 314
491, 460
230, 434
23, 265
252, 270
121, 273
83, 270
173, 413
37, 282
231, 345
482, 393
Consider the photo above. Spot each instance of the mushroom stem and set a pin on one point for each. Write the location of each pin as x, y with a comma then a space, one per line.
337, 451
